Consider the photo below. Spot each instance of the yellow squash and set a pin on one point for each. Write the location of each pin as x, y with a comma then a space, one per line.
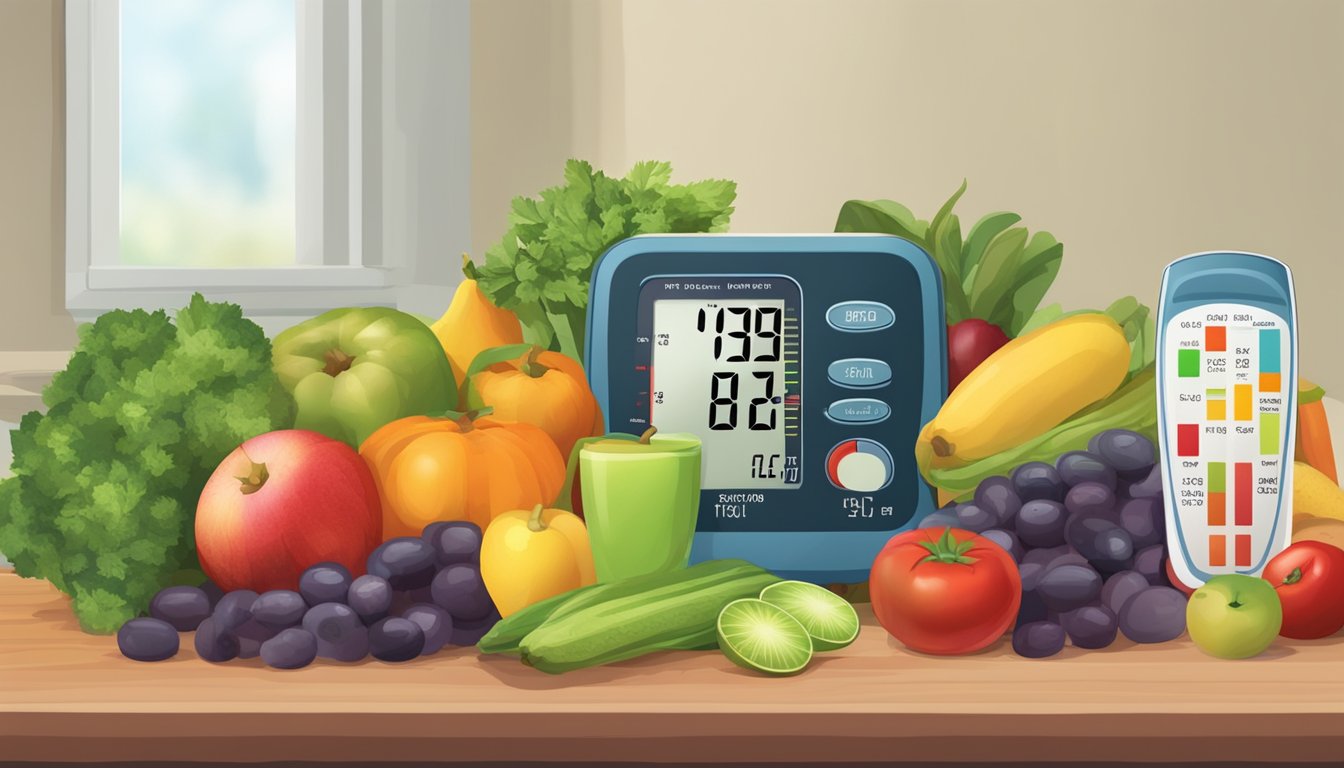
528, 556
473, 323
1315, 494
1030, 385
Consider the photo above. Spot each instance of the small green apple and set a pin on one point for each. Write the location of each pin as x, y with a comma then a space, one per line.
1234, 616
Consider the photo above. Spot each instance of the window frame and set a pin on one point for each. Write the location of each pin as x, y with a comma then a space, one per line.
349, 250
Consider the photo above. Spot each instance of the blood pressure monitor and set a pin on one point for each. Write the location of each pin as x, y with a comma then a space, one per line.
805, 364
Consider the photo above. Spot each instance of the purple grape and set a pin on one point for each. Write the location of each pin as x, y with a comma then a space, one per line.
213, 644
1119, 587
1038, 639
291, 649
1092, 626
943, 518
996, 496
407, 562
396, 639
212, 592
183, 607
233, 609
1090, 499
1044, 555
470, 632
370, 597
1149, 486
1155, 615
434, 622
341, 636
1150, 562
279, 609
1032, 609
1077, 467
1007, 540
454, 542
1103, 543
1128, 452
251, 634
458, 589
324, 583
1068, 558
1038, 480
1029, 574
1070, 586
147, 639
1040, 523
1144, 520
971, 517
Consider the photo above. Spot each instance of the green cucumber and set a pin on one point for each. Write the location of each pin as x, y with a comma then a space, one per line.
506, 635
679, 614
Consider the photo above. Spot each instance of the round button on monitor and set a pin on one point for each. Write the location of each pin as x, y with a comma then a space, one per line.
859, 465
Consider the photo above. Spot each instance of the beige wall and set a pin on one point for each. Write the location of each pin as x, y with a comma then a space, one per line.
1134, 131
32, 165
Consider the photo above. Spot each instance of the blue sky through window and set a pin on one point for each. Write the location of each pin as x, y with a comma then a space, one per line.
208, 101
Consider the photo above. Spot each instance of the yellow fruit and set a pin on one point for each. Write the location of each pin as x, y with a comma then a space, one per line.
528, 556
1026, 388
1324, 529
471, 324
1315, 494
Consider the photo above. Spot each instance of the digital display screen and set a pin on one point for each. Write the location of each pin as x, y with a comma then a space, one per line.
720, 370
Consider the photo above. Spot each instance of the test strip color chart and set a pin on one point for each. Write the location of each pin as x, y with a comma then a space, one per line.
1224, 413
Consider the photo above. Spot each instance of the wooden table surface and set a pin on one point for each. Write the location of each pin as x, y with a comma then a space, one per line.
68, 696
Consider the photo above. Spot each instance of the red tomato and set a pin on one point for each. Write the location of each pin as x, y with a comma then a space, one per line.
1309, 577
944, 591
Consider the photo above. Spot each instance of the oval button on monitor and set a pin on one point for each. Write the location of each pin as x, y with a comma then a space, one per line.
858, 410
860, 316
859, 372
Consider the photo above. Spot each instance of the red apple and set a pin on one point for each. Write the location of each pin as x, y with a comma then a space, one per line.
284, 501
969, 342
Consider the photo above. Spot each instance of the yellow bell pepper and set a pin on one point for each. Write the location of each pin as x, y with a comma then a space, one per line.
528, 556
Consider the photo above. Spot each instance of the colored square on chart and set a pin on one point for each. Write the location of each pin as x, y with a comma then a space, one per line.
1243, 402
1269, 433
1217, 550
1187, 439
1217, 509
1187, 363
1243, 550
1244, 491
1271, 382
1270, 351
1216, 410
1215, 338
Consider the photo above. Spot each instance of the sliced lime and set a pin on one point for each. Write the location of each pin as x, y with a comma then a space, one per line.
828, 618
763, 637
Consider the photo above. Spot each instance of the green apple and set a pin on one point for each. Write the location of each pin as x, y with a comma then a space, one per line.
1234, 616
353, 370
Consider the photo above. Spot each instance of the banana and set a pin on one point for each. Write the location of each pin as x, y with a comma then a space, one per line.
1027, 387
1314, 494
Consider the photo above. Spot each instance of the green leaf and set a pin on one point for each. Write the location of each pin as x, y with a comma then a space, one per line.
940, 216
984, 231
649, 175
946, 252
568, 341
1039, 266
881, 216
996, 276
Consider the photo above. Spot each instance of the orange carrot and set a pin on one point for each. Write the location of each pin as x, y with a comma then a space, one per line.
1313, 431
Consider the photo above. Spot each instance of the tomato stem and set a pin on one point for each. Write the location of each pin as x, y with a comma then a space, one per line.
948, 550
1293, 577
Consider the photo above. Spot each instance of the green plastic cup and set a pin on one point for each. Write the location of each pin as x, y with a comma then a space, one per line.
640, 501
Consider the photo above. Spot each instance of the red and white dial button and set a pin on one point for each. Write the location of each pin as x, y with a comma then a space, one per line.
859, 465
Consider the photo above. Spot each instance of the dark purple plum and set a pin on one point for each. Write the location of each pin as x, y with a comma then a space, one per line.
459, 590
1103, 543
1044, 555
1092, 626
233, 609
291, 649
147, 639
1038, 639
279, 609
370, 597
1130, 453
214, 644
407, 562
470, 632
1038, 480
324, 583
1119, 587
1151, 563
1090, 499
1040, 523
434, 622
971, 517
1076, 467
1155, 615
396, 639
454, 542
1029, 574
183, 607
996, 496
341, 636
1148, 486
1007, 540
1144, 520
1066, 587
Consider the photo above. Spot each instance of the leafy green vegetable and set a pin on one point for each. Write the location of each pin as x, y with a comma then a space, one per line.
103, 498
997, 272
541, 266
